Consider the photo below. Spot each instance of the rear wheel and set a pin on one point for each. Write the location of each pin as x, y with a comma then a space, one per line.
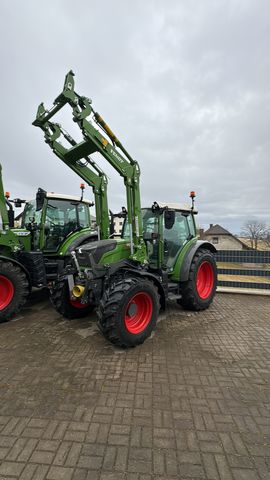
198, 292
128, 311
61, 301
14, 289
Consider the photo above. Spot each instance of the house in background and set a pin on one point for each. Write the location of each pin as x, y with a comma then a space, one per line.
93, 221
118, 222
222, 239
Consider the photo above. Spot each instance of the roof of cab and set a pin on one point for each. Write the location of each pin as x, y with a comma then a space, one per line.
59, 196
183, 207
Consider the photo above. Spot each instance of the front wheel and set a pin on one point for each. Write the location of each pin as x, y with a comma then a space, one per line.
62, 303
14, 289
200, 288
128, 311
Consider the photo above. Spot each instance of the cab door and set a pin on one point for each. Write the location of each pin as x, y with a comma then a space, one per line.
175, 238
31, 220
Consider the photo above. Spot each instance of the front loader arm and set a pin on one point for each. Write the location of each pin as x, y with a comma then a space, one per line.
94, 141
93, 176
87, 169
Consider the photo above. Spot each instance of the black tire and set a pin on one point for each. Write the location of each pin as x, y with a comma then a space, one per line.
200, 296
15, 289
60, 299
114, 320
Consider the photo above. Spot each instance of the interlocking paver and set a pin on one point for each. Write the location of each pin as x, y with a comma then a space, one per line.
193, 402
60, 473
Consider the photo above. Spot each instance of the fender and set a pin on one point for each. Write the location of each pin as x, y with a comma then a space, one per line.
159, 286
200, 244
127, 265
12, 260
87, 237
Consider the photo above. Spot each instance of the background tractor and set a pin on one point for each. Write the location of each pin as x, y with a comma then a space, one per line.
33, 255
159, 256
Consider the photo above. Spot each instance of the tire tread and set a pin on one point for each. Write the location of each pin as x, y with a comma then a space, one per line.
108, 309
16, 275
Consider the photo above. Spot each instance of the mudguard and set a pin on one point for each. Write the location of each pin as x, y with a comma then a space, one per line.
200, 244
158, 284
127, 265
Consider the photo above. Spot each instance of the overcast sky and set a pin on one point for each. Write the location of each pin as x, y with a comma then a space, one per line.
185, 84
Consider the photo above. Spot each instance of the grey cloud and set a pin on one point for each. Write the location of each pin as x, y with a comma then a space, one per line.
185, 85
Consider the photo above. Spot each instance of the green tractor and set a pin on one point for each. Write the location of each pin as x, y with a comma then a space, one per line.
33, 255
159, 256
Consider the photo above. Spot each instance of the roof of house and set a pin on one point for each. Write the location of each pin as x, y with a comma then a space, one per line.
217, 230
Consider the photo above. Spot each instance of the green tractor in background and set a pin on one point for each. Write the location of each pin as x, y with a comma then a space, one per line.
33, 255
159, 256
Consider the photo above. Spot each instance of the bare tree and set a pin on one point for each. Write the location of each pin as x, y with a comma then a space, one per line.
267, 238
254, 231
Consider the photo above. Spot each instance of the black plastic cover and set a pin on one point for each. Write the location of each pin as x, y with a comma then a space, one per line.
96, 249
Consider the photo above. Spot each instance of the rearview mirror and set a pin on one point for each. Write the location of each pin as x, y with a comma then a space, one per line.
169, 219
40, 197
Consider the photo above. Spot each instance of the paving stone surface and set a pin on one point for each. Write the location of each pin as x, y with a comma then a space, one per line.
193, 402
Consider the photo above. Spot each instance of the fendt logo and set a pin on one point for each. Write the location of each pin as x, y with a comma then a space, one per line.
117, 156
21, 234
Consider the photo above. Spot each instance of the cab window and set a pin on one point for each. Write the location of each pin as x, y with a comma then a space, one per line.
150, 224
150, 228
191, 225
175, 238
62, 218
30, 214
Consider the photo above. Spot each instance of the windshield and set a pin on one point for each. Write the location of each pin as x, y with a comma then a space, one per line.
67, 213
62, 218
30, 215
149, 220
150, 223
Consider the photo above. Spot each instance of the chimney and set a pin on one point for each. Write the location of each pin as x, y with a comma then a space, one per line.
211, 225
201, 232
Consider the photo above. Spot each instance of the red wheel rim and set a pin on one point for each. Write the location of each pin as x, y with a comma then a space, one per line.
138, 313
78, 304
6, 292
205, 280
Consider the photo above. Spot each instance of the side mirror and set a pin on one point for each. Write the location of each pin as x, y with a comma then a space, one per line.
10, 213
18, 202
40, 197
169, 219
11, 218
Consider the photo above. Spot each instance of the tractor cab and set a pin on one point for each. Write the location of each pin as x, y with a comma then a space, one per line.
52, 217
167, 228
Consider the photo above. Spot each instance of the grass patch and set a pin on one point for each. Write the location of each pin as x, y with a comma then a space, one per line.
243, 278
244, 266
